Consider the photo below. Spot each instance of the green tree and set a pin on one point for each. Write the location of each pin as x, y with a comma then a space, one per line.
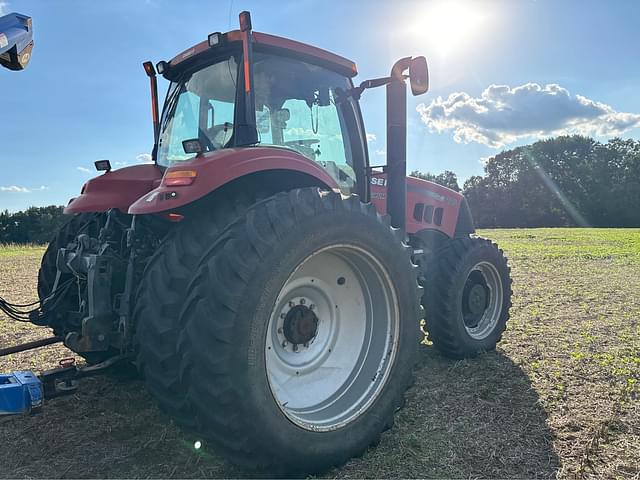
564, 181
447, 178
34, 225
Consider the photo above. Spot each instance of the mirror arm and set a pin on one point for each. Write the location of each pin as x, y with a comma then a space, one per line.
356, 92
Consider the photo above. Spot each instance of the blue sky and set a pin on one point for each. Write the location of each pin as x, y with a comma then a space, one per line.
503, 73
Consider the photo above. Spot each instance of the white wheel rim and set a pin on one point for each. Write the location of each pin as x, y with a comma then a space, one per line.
481, 328
332, 378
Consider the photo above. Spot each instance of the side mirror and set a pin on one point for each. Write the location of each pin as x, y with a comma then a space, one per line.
419, 75
192, 145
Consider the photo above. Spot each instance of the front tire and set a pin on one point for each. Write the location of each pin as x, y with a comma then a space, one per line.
467, 297
275, 383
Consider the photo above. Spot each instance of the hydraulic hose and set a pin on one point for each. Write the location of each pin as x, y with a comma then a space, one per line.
22, 313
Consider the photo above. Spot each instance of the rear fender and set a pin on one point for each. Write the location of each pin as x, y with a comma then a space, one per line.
215, 169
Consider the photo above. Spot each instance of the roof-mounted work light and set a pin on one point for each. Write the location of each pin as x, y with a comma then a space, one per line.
215, 39
162, 67
103, 165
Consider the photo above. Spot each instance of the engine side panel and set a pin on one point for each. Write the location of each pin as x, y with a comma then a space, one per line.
429, 205
115, 189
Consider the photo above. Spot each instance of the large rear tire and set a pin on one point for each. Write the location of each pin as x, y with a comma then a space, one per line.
162, 293
467, 297
300, 332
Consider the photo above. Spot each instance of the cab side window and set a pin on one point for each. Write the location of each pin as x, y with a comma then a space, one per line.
296, 108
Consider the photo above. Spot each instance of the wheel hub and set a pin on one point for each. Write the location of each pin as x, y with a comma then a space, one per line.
300, 325
475, 299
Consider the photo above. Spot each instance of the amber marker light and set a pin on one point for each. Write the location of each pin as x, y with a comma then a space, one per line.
179, 178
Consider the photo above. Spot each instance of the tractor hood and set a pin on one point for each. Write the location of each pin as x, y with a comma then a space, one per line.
116, 189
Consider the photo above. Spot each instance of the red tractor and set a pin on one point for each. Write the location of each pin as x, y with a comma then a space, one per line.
267, 280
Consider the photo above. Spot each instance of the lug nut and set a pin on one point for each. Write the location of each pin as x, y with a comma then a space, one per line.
295, 347
302, 301
282, 315
280, 330
284, 344
291, 304
312, 307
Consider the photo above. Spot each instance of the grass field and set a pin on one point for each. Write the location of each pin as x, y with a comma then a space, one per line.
559, 398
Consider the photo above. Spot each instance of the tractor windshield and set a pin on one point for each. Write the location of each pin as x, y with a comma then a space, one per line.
200, 106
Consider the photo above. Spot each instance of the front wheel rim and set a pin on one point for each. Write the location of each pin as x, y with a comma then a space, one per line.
482, 300
332, 338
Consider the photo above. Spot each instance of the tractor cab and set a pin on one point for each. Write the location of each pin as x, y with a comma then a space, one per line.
299, 105
292, 96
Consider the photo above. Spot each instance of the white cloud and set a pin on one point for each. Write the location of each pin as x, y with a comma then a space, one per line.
371, 137
4, 7
144, 158
381, 152
17, 189
14, 189
84, 169
503, 115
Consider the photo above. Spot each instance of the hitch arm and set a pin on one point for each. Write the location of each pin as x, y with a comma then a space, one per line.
30, 345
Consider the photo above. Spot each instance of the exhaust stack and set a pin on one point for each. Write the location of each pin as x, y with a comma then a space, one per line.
397, 143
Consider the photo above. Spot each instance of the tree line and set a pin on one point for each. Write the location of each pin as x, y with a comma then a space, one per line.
563, 181
34, 225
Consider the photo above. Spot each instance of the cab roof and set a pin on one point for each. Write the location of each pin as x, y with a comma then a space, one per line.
279, 44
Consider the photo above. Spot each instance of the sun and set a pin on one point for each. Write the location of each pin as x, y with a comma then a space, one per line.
448, 26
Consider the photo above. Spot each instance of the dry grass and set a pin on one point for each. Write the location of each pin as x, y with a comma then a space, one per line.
558, 398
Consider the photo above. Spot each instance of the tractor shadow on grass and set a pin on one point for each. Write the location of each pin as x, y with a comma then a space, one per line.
469, 419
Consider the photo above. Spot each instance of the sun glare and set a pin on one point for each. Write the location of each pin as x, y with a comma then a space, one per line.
449, 26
